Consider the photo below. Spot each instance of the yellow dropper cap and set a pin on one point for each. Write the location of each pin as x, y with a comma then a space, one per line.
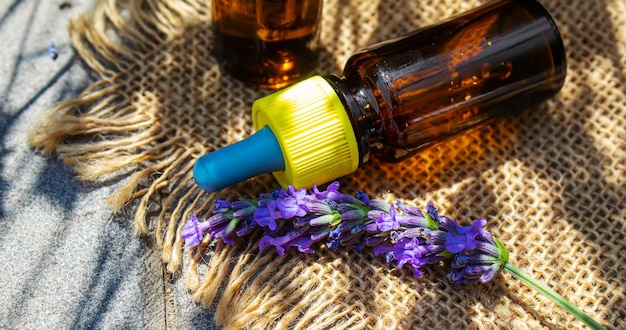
313, 130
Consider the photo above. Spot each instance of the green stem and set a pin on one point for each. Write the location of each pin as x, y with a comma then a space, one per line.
555, 297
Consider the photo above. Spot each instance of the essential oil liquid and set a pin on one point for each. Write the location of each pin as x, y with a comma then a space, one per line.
267, 43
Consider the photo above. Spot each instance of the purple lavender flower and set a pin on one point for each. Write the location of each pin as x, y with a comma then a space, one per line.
464, 238
385, 250
298, 237
332, 192
407, 236
409, 250
431, 210
413, 217
228, 220
221, 205
293, 204
192, 232
388, 222
267, 212
480, 264
362, 196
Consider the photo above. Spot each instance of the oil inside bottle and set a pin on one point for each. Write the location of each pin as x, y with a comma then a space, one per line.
267, 43
444, 79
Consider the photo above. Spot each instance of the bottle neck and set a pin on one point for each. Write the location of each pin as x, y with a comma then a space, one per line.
360, 105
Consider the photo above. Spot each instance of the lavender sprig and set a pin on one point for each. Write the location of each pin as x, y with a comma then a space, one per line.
403, 234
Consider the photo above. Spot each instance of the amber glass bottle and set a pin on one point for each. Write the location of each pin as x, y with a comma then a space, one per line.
412, 92
267, 43
399, 97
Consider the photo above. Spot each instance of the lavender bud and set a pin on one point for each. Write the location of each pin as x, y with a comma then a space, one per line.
353, 215
218, 219
376, 204
323, 220
318, 207
347, 199
375, 214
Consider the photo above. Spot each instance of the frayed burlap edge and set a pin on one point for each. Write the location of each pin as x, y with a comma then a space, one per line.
130, 137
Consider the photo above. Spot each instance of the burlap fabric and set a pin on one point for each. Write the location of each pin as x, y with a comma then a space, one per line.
550, 181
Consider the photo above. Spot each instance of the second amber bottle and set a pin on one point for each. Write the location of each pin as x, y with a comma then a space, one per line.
267, 43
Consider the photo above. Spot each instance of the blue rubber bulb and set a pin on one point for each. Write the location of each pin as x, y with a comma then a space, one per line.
258, 154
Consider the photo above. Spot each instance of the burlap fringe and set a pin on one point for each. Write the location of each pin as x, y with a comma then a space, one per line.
255, 298
109, 130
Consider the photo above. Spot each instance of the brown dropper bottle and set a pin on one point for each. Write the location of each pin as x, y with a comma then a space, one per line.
400, 96
267, 43
412, 92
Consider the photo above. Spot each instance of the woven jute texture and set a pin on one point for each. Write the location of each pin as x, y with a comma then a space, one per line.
550, 181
